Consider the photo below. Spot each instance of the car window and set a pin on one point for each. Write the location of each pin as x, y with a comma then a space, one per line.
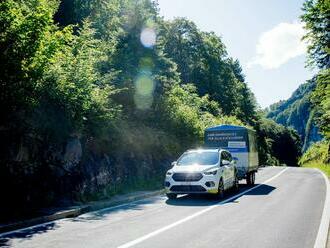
229, 156
200, 158
224, 156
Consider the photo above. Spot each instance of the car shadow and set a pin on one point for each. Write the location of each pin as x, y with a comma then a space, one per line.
208, 200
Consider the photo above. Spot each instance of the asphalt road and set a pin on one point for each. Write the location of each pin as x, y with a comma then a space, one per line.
283, 210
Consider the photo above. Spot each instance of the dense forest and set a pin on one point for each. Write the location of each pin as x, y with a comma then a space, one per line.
98, 97
316, 18
297, 112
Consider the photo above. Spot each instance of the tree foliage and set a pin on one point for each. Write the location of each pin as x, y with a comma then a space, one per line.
277, 144
317, 152
321, 101
186, 112
96, 95
297, 112
317, 23
202, 59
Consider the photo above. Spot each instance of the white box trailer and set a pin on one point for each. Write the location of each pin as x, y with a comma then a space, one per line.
241, 142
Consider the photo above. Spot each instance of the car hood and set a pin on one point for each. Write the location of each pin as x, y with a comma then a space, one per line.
193, 168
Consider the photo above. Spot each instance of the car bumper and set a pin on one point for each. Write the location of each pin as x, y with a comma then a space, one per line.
208, 184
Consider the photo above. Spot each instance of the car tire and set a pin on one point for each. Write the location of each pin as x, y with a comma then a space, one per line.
236, 184
171, 196
221, 190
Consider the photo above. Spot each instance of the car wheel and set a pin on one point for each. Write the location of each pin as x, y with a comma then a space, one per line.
221, 190
171, 196
236, 184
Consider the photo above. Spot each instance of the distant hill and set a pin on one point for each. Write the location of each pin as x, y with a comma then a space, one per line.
296, 113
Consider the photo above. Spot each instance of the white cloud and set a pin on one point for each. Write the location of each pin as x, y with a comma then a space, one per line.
278, 45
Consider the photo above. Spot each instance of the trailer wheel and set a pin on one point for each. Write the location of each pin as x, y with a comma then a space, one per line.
250, 178
253, 178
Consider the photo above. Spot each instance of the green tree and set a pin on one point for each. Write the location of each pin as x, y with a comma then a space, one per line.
75, 89
321, 101
202, 60
317, 23
297, 112
128, 88
277, 144
28, 41
187, 115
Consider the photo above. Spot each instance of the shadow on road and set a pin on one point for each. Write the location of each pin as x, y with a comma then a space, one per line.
264, 189
26, 234
208, 200
101, 214
185, 200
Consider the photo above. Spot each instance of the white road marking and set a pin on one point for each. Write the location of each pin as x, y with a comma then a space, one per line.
322, 235
320, 241
165, 228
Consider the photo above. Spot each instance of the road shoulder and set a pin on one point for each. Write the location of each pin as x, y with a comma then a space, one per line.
322, 238
75, 211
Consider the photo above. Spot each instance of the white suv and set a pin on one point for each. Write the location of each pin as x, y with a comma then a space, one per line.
202, 171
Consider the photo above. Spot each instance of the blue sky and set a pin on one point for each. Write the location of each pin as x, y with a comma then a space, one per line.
264, 35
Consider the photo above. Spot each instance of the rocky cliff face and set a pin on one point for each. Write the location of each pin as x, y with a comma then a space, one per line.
296, 112
35, 174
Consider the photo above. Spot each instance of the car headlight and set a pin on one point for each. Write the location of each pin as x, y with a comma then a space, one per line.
212, 172
169, 173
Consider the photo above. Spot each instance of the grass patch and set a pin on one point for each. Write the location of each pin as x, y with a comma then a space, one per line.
317, 156
109, 191
317, 164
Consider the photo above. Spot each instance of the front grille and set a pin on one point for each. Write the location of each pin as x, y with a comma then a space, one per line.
187, 188
187, 177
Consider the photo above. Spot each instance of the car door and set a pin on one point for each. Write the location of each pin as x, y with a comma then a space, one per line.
231, 168
226, 170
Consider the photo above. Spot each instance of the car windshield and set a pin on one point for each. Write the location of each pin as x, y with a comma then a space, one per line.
200, 158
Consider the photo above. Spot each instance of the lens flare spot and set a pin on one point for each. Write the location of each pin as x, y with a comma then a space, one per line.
144, 85
143, 102
148, 37
146, 63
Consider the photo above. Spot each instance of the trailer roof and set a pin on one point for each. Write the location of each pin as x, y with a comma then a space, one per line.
226, 127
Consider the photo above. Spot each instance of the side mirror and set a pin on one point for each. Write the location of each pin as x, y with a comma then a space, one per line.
174, 163
224, 162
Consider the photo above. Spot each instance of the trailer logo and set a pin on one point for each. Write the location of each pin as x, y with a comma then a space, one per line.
237, 144
224, 136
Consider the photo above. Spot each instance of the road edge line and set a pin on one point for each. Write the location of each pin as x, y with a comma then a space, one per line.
189, 217
322, 234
